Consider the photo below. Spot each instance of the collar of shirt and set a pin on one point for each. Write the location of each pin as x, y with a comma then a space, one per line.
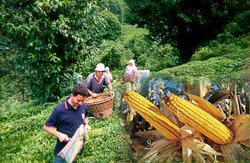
101, 78
68, 106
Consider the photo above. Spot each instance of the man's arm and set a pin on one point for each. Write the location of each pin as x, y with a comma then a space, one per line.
110, 87
107, 82
86, 120
92, 93
52, 130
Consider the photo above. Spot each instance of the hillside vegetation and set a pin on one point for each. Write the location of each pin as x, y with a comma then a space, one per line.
220, 63
46, 44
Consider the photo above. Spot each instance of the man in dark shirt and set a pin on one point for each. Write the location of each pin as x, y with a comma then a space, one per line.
66, 119
97, 81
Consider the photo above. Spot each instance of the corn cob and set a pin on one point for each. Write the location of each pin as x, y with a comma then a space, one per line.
153, 115
198, 119
207, 106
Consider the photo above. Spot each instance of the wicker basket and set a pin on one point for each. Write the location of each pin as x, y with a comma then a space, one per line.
101, 106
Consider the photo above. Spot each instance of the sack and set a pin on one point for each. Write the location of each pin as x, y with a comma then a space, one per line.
74, 146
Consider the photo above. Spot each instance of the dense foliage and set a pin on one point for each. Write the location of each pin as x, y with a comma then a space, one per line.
186, 23
45, 44
136, 44
46, 40
224, 59
231, 64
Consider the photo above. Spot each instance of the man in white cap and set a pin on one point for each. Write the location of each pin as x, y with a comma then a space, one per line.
97, 81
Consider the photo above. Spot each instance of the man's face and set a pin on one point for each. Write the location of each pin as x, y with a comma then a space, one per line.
78, 100
99, 74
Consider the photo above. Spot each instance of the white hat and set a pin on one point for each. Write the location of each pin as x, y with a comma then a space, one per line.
131, 61
100, 67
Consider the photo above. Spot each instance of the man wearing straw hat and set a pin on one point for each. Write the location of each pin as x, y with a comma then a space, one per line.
97, 81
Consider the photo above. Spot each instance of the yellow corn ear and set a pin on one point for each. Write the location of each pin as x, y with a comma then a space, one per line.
198, 119
207, 106
153, 115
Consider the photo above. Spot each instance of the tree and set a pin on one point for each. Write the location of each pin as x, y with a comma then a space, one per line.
48, 39
186, 23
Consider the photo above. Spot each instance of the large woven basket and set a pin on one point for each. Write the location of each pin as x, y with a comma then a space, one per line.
101, 106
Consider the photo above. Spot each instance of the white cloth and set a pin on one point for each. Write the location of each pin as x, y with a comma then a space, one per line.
74, 146
131, 72
109, 75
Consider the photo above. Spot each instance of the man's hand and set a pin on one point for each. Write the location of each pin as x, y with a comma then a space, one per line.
94, 95
111, 93
87, 127
63, 137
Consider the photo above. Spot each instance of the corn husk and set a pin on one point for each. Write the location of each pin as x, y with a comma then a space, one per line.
241, 129
151, 134
162, 150
199, 151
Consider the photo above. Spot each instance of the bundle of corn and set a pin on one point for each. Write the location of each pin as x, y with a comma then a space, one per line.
199, 119
202, 138
232, 143
163, 149
153, 115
